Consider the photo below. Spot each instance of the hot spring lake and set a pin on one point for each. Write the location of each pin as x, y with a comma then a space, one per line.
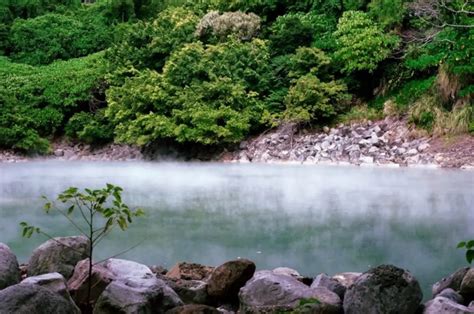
311, 218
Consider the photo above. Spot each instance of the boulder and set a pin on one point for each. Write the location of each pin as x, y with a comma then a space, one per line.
190, 291
52, 281
442, 305
467, 285
347, 279
383, 289
79, 284
288, 272
226, 280
9, 269
58, 255
189, 271
323, 280
452, 295
32, 298
135, 295
193, 309
124, 269
453, 281
269, 292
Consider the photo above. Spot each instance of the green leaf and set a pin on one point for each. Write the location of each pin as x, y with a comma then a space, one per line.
470, 244
70, 210
470, 256
461, 244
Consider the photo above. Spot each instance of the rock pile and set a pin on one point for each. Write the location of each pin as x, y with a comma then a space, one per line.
387, 142
121, 286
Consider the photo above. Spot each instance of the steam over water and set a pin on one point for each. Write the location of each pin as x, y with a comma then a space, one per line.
311, 218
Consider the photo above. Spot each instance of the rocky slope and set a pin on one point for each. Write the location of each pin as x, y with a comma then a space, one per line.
388, 142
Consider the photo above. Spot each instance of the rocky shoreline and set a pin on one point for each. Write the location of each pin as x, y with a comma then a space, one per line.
55, 281
389, 142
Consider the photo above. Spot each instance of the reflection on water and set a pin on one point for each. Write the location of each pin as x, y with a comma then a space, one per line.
311, 218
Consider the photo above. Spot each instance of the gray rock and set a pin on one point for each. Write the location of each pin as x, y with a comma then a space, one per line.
347, 279
467, 284
193, 309
124, 269
383, 289
268, 292
135, 295
453, 281
58, 255
442, 305
366, 159
31, 298
9, 269
52, 281
325, 145
226, 279
412, 152
191, 291
288, 272
323, 280
422, 147
452, 295
58, 152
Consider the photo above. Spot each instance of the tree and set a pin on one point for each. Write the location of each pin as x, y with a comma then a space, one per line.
99, 214
361, 44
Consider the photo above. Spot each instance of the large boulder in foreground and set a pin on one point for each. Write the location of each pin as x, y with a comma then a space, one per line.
58, 255
33, 298
383, 289
137, 296
226, 280
268, 292
9, 269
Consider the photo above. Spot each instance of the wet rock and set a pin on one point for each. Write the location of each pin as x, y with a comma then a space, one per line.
31, 298
79, 284
323, 280
134, 295
383, 289
189, 271
9, 269
268, 292
467, 285
442, 305
58, 255
193, 309
453, 281
226, 280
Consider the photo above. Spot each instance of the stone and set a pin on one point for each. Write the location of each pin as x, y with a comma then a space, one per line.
366, 159
58, 152
325, 145
412, 152
452, 295
422, 147
58, 255
373, 150
325, 129
134, 295
226, 280
193, 309
453, 281
52, 281
189, 271
32, 298
268, 292
442, 305
323, 280
124, 269
346, 279
467, 285
288, 272
383, 289
190, 291
9, 268
401, 150
78, 284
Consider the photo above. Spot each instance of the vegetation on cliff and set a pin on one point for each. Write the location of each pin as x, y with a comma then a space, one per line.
214, 72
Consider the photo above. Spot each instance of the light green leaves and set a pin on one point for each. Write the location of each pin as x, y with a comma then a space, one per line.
469, 246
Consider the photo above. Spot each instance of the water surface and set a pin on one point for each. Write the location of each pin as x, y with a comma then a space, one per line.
311, 218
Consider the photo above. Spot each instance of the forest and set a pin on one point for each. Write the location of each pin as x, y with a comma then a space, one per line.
214, 72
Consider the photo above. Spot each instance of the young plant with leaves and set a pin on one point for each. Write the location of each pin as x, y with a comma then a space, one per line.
101, 211
469, 246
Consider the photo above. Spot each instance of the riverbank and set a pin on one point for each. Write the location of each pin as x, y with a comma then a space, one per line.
55, 281
389, 142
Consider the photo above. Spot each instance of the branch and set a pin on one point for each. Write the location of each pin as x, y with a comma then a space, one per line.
123, 252
52, 238
72, 222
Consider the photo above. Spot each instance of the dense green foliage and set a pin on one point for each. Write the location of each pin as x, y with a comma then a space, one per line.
214, 72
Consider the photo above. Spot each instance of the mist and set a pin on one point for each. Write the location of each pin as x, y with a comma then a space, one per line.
312, 218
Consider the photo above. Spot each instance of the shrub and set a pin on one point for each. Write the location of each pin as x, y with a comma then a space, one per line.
91, 128
288, 33
219, 26
361, 44
53, 36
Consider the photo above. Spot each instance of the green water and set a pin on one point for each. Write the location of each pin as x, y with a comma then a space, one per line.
312, 218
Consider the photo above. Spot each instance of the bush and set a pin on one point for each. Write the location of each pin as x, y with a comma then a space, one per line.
91, 128
361, 44
219, 26
53, 36
309, 99
288, 33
